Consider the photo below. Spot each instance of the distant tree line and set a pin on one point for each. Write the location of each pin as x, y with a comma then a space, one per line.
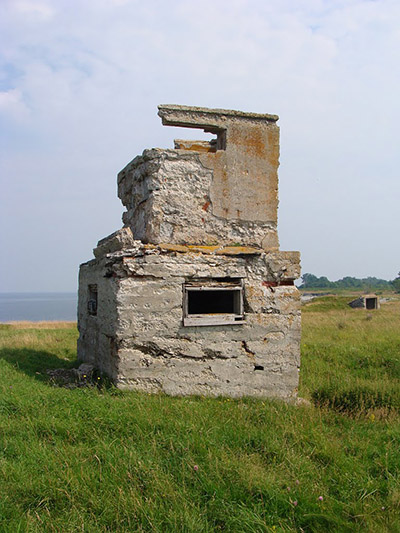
310, 281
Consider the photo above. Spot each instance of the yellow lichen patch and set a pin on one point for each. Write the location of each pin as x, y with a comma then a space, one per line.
203, 249
238, 250
174, 247
213, 249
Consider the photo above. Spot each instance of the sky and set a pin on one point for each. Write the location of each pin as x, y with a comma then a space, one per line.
80, 82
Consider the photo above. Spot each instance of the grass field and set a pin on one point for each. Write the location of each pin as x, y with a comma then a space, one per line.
99, 460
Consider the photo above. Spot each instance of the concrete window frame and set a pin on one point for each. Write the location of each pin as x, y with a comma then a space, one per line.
92, 299
225, 302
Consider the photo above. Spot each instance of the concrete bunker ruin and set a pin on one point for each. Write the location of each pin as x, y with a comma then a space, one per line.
366, 301
193, 295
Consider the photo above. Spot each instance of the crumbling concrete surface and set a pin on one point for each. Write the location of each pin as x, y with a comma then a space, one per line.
192, 295
203, 195
144, 345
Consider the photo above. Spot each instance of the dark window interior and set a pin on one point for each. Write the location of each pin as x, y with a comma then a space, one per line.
370, 303
206, 302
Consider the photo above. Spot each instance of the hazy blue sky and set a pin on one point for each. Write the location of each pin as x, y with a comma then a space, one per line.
79, 86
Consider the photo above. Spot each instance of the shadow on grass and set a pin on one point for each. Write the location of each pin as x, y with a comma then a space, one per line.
34, 363
357, 399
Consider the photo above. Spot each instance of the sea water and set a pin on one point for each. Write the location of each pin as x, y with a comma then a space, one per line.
37, 306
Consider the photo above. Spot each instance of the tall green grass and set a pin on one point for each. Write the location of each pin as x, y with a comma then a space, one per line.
99, 460
351, 357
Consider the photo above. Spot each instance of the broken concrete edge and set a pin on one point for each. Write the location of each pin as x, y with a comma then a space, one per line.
192, 116
281, 268
121, 244
150, 154
182, 151
123, 240
154, 153
119, 240
157, 186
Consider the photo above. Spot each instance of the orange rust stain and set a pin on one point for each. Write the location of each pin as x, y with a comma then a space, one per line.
206, 206
254, 144
273, 144
252, 140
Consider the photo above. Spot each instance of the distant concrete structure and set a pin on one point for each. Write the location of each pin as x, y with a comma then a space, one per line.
192, 295
367, 301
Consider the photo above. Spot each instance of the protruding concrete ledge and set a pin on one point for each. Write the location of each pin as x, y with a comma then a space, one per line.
119, 240
203, 117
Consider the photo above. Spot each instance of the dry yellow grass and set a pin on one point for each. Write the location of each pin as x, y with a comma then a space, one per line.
41, 325
352, 324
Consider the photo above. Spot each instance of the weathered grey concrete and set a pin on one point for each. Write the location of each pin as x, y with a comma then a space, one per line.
207, 193
148, 348
204, 215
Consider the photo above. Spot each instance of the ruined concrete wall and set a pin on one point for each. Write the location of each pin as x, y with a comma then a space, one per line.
170, 198
245, 159
199, 219
96, 343
153, 351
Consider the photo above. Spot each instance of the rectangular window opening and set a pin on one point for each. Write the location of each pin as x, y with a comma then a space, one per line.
92, 300
212, 303
371, 303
